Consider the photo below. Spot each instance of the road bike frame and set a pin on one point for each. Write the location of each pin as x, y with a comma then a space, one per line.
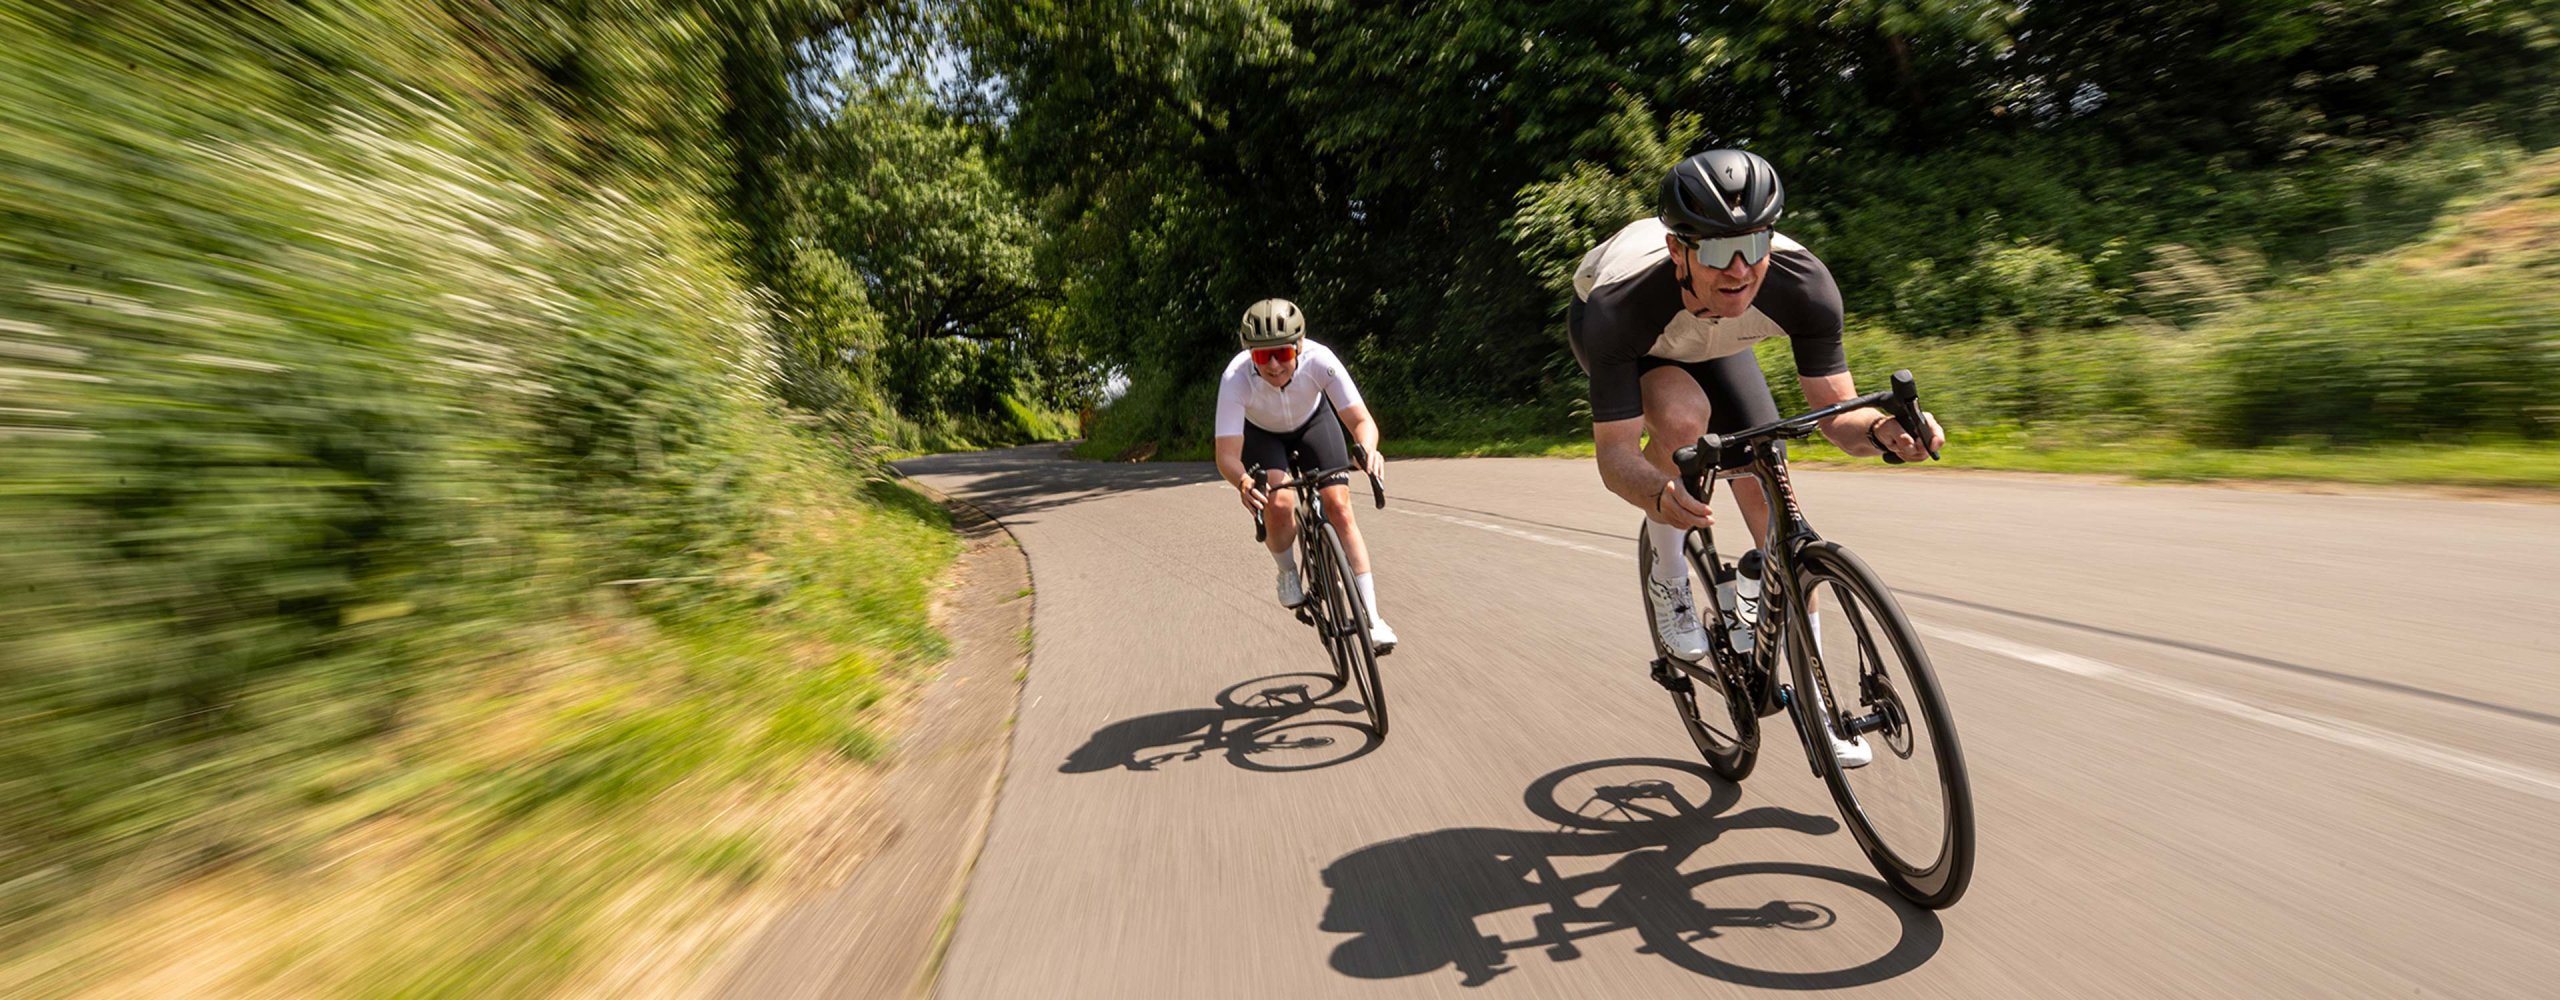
1753, 678
1325, 569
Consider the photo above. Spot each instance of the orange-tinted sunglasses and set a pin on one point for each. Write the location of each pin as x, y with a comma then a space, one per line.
1274, 355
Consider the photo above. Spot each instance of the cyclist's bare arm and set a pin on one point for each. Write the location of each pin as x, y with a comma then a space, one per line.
1849, 431
1619, 447
1363, 429
1230, 454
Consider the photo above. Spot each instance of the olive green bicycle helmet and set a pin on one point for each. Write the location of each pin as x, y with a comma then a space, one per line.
1272, 323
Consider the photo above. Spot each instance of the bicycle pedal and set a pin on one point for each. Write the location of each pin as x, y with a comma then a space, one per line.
1671, 678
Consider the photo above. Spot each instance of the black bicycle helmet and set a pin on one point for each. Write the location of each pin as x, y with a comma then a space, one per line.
1721, 192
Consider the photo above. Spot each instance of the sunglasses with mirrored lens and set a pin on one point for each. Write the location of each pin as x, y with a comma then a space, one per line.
1716, 253
1274, 355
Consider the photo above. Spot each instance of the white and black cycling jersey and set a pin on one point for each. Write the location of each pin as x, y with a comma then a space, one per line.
1243, 395
1626, 307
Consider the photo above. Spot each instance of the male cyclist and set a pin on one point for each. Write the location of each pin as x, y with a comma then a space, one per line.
1663, 319
1283, 405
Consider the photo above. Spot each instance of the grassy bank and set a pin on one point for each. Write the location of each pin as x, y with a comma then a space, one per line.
592, 802
413, 584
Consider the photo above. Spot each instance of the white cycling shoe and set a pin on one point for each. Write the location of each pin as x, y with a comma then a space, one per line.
1381, 638
1675, 620
1852, 753
1291, 594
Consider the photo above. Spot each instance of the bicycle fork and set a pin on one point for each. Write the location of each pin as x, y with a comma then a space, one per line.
1816, 718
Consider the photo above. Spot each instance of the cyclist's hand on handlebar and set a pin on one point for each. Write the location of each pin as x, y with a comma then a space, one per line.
1374, 463
1674, 506
1253, 495
1901, 444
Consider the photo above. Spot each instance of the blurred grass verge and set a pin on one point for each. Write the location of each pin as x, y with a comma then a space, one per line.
408, 582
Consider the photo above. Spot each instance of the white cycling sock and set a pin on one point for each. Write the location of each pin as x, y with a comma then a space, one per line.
1281, 557
1368, 595
1670, 564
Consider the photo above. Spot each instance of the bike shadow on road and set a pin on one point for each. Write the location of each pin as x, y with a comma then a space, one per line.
1015, 481
1264, 724
1414, 905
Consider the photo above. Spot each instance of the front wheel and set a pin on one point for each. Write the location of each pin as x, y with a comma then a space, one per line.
1351, 619
1315, 573
1911, 808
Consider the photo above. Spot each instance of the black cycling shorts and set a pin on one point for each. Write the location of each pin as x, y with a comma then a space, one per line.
1316, 444
1737, 394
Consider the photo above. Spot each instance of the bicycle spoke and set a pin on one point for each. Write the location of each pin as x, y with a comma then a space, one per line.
1910, 806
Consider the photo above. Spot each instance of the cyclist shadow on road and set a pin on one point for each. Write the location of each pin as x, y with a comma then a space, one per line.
1264, 724
1414, 904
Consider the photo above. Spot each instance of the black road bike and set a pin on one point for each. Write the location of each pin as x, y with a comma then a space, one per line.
1332, 603
1911, 808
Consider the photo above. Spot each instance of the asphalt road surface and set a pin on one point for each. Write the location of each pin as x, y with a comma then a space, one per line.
2223, 742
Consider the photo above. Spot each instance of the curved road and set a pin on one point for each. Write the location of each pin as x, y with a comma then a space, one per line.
2224, 743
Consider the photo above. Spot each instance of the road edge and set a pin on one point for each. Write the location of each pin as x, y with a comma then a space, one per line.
875, 936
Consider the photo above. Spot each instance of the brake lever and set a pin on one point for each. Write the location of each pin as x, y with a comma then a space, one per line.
1377, 486
1261, 531
1905, 410
1693, 461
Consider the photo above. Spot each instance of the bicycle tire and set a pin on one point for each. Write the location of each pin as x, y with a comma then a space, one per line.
1935, 880
1730, 748
1315, 583
1362, 656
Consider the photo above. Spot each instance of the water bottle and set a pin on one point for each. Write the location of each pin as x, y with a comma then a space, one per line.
1746, 600
1725, 601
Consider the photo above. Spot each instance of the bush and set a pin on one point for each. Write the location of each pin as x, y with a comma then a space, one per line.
2379, 356
2024, 285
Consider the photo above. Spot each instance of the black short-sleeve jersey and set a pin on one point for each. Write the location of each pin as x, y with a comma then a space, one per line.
1626, 305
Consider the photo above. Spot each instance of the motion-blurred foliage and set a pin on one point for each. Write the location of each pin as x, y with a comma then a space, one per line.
352, 350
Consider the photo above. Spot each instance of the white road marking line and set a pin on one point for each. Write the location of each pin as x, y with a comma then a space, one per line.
1521, 534
2339, 731
2531, 781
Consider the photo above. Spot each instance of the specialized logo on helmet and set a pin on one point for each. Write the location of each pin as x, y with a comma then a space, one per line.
1720, 192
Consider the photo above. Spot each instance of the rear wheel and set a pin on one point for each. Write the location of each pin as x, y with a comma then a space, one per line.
1911, 808
1352, 623
1724, 729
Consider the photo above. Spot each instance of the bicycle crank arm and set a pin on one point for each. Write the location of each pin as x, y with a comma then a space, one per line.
1815, 751
1868, 723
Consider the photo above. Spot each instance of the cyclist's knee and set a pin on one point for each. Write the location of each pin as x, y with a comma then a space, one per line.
1338, 513
1676, 425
